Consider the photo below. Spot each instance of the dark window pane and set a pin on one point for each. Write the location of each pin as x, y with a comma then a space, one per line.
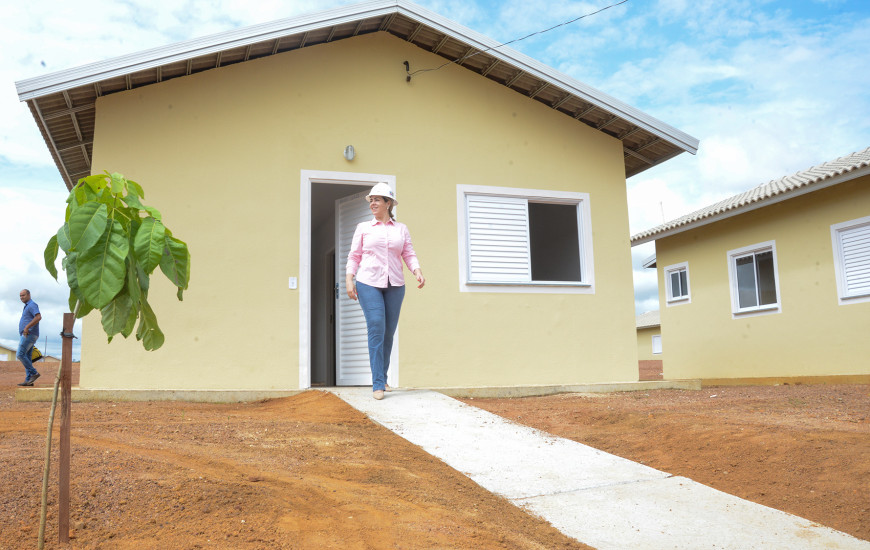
746, 296
555, 242
766, 281
675, 284
684, 287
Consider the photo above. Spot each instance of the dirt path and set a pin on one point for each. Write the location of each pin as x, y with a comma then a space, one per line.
301, 472
802, 449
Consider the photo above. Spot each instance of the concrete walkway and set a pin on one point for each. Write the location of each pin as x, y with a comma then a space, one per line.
597, 498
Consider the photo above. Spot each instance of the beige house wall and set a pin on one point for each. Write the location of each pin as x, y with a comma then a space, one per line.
644, 344
812, 336
221, 152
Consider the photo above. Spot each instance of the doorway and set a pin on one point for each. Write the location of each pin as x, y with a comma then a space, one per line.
321, 278
324, 278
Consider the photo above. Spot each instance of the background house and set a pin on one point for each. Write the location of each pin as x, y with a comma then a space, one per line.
771, 284
649, 346
258, 144
7, 354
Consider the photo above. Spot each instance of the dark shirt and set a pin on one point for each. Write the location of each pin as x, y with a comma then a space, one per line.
30, 311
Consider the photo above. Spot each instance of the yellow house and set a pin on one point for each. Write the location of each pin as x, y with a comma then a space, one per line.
649, 345
772, 284
7, 354
257, 145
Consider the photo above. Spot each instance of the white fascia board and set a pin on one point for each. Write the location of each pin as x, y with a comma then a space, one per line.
548, 74
841, 178
181, 51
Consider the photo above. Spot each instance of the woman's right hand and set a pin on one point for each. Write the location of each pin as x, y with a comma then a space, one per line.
351, 287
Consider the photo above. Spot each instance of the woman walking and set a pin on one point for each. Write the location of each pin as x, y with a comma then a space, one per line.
375, 258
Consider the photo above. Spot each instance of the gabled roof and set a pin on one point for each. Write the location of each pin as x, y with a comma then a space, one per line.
812, 179
63, 103
649, 319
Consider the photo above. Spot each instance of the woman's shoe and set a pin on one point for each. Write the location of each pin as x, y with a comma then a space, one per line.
379, 394
388, 388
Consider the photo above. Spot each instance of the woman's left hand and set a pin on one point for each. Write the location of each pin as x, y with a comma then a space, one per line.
418, 273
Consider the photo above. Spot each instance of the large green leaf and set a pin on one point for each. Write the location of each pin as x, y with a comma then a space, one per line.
86, 224
175, 263
101, 268
148, 244
150, 334
116, 313
131, 322
75, 294
135, 188
63, 240
50, 256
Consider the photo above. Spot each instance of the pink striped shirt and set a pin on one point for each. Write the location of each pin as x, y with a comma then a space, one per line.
377, 251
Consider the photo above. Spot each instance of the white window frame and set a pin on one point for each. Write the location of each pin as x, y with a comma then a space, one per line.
656, 338
584, 227
732, 256
844, 296
669, 296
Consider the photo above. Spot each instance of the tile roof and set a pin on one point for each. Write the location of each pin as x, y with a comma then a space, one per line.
649, 319
812, 179
63, 104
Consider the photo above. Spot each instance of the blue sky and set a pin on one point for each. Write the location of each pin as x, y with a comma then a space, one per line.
769, 88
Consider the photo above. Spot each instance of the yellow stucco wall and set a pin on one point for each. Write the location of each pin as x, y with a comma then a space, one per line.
220, 153
812, 335
644, 344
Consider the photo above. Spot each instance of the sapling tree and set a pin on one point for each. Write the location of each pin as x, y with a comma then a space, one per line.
112, 243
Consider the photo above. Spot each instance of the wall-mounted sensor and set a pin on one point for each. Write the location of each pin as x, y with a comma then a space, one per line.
349, 152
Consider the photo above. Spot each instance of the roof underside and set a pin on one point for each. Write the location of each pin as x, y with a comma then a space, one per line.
63, 104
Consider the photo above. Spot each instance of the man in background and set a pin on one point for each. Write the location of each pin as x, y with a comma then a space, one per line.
28, 329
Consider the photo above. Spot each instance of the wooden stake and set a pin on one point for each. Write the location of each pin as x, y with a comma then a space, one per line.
47, 467
69, 320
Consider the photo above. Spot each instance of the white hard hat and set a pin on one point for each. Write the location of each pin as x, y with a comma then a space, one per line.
382, 189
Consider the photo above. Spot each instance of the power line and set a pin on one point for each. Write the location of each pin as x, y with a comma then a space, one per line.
463, 58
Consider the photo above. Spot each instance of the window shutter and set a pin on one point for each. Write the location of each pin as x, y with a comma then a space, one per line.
855, 245
498, 239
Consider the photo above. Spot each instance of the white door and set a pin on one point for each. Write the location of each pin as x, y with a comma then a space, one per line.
351, 340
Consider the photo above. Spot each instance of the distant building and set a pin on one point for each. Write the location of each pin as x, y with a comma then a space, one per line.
773, 283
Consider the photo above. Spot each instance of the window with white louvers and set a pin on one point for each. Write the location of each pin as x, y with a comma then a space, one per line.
498, 239
524, 240
851, 241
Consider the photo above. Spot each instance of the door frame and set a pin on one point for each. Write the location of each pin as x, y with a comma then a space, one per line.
308, 177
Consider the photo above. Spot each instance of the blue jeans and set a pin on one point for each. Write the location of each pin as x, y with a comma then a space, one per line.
381, 307
25, 348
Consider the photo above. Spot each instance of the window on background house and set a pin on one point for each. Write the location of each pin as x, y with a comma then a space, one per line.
677, 283
754, 279
524, 240
851, 243
657, 344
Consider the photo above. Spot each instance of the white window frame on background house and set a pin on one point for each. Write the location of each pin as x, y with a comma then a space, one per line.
656, 344
851, 243
685, 294
509, 208
754, 251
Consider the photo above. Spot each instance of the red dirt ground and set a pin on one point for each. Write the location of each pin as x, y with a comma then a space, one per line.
311, 472
306, 471
802, 449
